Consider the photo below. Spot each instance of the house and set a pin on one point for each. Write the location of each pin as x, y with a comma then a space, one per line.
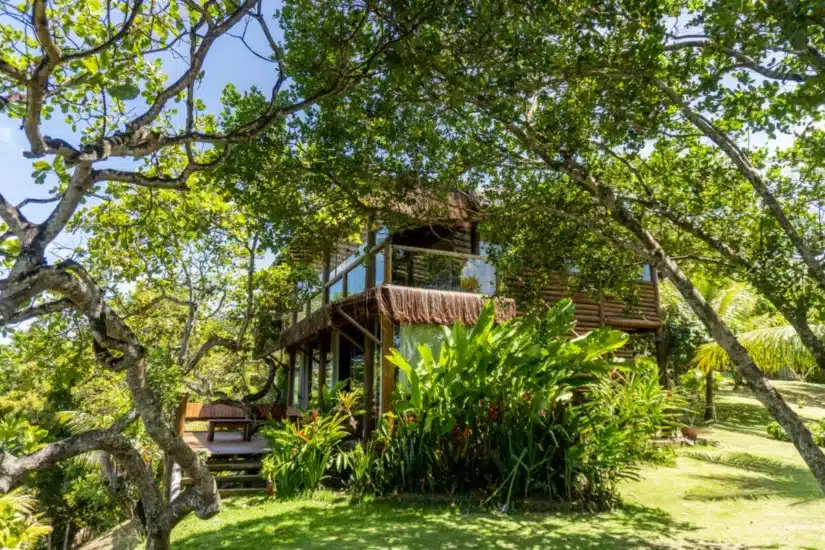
396, 289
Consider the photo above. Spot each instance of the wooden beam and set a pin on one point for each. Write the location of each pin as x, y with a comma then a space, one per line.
387, 368
350, 339
306, 378
325, 277
290, 381
436, 252
369, 381
323, 352
356, 262
358, 325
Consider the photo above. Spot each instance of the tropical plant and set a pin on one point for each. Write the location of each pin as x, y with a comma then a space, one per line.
302, 454
20, 525
521, 409
769, 339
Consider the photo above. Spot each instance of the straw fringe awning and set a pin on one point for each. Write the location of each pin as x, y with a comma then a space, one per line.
403, 305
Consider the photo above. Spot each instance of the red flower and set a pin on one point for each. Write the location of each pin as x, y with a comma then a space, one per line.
670, 394
314, 415
614, 374
492, 413
412, 419
543, 413
456, 432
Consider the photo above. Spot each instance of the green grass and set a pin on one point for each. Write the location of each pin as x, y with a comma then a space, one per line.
747, 492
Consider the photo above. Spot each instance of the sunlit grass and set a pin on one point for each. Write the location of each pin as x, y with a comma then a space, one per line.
746, 492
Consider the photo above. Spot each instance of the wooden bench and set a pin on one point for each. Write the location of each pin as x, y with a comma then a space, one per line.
244, 423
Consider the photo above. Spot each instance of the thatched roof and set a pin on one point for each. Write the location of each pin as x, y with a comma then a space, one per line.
403, 305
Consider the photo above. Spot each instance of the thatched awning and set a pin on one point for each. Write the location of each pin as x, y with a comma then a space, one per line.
403, 305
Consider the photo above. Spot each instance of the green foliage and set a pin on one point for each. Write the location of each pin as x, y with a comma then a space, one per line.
302, 454
694, 382
775, 431
517, 410
19, 437
21, 527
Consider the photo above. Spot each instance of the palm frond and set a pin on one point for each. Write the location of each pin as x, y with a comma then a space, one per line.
772, 347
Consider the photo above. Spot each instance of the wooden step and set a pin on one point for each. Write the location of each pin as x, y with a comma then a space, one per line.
241, 491
218, 466
229, 479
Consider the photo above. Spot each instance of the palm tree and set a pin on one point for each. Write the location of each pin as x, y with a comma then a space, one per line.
20, 526
766, 335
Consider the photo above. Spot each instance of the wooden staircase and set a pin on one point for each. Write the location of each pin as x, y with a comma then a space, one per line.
235, 477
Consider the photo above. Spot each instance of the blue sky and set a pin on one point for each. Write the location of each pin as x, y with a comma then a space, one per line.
228, 61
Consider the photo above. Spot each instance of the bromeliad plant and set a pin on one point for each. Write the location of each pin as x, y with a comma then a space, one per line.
302, 453
521, 409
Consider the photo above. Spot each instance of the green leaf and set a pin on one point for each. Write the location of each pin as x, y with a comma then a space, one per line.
91, 64
124, 92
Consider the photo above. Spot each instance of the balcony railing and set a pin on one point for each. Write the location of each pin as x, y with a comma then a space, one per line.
404, 266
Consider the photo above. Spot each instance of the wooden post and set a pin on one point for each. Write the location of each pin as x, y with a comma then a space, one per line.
306, 379
388, 262
387, 368
601, 308
344, 285
369, 378
325, 277
290, 381
323, 343
323, 351
475, 242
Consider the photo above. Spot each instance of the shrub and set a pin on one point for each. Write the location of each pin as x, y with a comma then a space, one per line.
520, 409
302, 453
775, 431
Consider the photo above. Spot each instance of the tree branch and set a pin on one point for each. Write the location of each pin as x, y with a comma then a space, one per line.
192, 72
743, 60
127, 25
38, 311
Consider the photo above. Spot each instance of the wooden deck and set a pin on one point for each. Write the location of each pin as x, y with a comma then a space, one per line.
226, 443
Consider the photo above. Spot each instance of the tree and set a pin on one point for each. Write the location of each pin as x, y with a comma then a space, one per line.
103, 67
568, 95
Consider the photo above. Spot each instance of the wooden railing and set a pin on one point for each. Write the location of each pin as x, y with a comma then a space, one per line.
321, 298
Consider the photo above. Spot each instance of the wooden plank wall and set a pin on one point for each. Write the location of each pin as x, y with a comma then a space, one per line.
590, 314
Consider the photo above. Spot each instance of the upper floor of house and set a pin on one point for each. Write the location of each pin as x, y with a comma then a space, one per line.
448, 255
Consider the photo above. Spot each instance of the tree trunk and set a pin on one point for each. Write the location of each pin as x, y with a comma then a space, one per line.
158, 541
710, 408
661, 358
67, 535
658, 257
761, 386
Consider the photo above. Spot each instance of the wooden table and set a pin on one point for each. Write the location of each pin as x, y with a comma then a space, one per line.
244, 423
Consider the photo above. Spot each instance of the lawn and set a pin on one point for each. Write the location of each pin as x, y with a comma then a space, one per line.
747, 492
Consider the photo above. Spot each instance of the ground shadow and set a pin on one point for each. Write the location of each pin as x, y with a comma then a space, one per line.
380, 525
761, 478
745, 418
